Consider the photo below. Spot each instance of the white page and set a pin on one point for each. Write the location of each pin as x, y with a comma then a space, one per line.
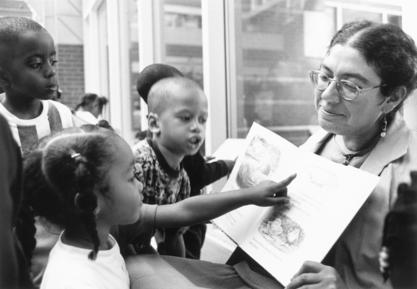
229, 224
229, 149
324, 198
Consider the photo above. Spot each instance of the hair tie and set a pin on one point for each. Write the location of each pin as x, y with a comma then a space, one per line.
76, 156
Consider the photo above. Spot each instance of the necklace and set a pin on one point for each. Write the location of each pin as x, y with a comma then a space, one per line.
349, 154
348, 158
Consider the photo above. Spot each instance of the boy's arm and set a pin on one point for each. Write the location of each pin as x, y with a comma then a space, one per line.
203, 208
203, 173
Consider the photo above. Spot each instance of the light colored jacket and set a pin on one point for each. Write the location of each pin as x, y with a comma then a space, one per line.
356, 252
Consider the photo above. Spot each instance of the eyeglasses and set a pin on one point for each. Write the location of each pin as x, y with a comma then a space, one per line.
346, 89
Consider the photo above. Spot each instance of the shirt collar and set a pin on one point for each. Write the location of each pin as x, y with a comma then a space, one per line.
162, 161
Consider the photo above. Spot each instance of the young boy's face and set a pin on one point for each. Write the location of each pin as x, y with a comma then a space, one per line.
183, 122
30, 72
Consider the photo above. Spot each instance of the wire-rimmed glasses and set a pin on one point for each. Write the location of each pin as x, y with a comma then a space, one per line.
346, 89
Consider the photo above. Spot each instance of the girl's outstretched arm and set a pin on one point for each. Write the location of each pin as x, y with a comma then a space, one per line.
203, 208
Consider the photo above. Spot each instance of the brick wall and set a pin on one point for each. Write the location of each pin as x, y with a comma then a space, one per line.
71, 73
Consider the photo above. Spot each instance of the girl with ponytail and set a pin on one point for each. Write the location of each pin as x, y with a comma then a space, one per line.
84, 182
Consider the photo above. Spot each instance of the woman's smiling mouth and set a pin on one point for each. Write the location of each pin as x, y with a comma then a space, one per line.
329, 113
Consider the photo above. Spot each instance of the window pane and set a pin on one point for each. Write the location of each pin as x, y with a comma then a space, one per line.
277, 43
134, 64
182, 38
352, 15
272, 44
103, 49
395, 19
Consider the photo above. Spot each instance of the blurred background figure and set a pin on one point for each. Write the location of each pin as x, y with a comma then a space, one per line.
398, 257
58, 95
90, 108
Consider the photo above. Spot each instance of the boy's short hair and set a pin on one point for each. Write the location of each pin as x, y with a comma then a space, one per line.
153, 73
10, 29
161, 92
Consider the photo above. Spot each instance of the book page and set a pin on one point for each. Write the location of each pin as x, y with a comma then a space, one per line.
229, 149
258, 160
231, 223
324, 198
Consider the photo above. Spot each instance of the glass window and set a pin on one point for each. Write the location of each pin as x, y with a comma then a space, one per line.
271, 47
277, 42
175, 38
352, 15
182, 38
134, 64
103, 49
395, 19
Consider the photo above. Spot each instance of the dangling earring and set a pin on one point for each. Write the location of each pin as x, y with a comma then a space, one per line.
384, 127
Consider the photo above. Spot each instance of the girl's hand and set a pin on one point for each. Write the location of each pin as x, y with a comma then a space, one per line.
316, 276
268, 193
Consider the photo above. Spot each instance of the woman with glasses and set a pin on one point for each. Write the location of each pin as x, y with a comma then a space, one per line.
359, 88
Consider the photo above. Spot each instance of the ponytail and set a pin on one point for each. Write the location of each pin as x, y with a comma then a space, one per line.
60, 180
75, 167
85, 199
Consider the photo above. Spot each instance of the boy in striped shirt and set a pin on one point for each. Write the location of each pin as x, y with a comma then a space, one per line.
28, 80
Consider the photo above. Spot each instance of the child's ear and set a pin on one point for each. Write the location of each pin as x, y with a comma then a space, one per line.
153, 123
86, 203
395, 99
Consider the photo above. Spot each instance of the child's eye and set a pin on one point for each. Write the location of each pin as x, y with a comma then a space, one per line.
34, 62
323, 77
203, 119
185, 118
35, 65
53, 62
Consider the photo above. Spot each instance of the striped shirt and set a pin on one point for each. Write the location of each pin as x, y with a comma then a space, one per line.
27, 132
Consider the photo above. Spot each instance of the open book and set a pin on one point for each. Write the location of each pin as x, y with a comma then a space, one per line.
324, 198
